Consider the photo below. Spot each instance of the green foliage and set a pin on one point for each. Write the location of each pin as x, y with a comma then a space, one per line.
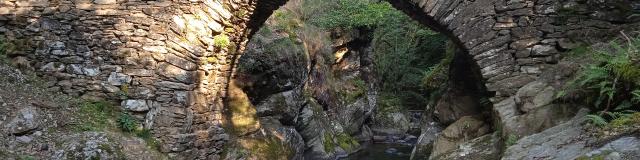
287, 22
221, 41
127, 123
597, 120
403, 49
610, 83
356, 13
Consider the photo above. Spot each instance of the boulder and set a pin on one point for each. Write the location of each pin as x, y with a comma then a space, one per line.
453, 105
24, 122
271, 127
514, 123
486, 147
314, 126
534, 95
461, 131
564, 141
394, 123
353, 116
284, 106
424, 145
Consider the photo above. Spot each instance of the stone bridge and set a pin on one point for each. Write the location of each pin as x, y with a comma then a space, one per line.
169, 61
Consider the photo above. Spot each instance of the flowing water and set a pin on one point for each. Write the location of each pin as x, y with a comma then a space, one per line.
382, 151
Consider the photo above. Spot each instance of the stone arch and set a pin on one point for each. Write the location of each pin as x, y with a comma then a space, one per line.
173, 59
472, 25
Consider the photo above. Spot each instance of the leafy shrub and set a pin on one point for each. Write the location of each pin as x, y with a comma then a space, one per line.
611, 83
351, 14
127, 123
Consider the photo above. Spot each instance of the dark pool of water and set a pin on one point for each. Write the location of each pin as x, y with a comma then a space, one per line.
379, 151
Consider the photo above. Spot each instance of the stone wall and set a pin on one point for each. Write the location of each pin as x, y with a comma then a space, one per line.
158, 58
166, 61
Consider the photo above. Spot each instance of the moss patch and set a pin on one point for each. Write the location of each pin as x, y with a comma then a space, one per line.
341, 140
243, 115
261, 148
95, 116
329, 147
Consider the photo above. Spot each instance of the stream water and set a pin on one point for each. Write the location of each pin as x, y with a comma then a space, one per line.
382, 151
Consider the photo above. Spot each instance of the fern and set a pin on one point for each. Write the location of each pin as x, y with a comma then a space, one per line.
127, 123
636, 96
611, 83
597, 120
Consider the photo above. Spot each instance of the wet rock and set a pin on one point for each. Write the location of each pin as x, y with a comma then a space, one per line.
25, 121
424, 145
390, 150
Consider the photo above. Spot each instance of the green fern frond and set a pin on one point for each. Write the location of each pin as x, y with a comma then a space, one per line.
636, 96
597, 120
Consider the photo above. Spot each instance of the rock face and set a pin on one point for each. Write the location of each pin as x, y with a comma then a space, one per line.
391, 124
463, 130
454, 105
424, 145
486, 147
564, 141
105, 38
623, 148
297, 85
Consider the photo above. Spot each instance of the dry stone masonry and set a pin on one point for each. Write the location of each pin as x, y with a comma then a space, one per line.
166, 61
169, 61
